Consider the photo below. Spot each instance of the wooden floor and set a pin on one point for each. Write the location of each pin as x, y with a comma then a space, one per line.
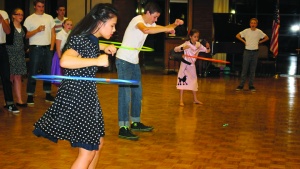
232, 130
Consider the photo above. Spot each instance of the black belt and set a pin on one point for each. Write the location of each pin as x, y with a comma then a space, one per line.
2, 44
186, 62
251, 50
40, 46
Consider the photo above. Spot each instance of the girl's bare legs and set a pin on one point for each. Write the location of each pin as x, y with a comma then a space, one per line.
84, 158
87, 159
96, 157
181, 98
196, 101
17, 85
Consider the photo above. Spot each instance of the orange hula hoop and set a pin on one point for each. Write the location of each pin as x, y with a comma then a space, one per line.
208, 59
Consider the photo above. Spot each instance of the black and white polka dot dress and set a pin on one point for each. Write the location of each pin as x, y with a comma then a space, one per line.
16, 54
76, 114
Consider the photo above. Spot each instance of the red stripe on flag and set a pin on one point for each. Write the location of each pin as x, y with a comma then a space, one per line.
275, 30
274, 40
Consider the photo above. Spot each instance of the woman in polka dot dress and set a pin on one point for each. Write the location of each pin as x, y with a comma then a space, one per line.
76, 114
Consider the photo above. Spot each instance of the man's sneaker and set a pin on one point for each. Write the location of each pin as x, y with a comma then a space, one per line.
125, 133
49, 98
239, 88
138, 126
252, 88
13, 108
30, 100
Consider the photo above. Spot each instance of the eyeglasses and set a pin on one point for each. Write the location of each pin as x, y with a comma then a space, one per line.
19, 14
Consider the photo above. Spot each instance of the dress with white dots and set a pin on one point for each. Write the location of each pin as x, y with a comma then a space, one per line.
76, 114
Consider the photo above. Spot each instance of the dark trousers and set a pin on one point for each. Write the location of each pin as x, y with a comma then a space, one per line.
249, 64
5, 75
40, 58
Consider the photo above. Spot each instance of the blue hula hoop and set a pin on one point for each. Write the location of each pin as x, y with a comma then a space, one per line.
58, 78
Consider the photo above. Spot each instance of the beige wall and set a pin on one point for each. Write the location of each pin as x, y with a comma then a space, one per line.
101, 1
76, 8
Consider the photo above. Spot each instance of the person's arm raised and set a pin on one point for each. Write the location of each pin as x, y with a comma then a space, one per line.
176, 23
72, 60
159, 29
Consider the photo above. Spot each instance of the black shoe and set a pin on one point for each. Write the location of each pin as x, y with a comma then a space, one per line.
125, 133
138, 126
252, 88
12, 108
49, 98
21, 105
239, 88
30, 100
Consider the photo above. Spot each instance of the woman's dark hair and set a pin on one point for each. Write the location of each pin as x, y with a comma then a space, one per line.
99, 13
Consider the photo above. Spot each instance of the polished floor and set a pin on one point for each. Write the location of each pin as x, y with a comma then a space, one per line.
231, 130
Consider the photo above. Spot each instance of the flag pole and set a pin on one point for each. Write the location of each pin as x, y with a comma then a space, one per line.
275, 34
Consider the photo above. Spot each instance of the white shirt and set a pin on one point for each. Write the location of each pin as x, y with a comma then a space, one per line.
63, 36
33, 21
133, 38
2, 33
252, 38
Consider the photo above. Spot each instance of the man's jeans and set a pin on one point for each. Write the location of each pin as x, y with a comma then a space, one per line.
130, 96
249, 62
40, 58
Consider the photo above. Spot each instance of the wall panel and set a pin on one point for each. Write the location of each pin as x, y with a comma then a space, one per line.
77, 9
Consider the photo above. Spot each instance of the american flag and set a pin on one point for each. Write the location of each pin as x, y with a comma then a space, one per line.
275, 30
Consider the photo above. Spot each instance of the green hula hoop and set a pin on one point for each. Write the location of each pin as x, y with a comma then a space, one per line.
118, 45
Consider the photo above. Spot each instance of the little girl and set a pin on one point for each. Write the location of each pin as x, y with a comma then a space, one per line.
61, 38
187, 76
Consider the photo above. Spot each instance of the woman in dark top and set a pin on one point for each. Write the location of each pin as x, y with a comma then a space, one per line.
15, 45
76, 114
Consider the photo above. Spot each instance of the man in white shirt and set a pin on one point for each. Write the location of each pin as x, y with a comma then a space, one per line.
41, 36
4, 63
127, 63
251, 37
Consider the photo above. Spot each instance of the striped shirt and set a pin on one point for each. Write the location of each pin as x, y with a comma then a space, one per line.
58, 24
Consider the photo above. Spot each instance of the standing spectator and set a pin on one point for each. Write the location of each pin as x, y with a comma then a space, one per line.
251, 37
127, 62
61, 39
15, 45
61, 11
41, 34
4, 63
